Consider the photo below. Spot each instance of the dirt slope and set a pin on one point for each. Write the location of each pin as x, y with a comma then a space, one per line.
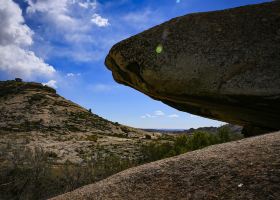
246, 169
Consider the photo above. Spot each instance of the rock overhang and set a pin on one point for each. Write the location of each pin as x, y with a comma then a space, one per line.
222, 65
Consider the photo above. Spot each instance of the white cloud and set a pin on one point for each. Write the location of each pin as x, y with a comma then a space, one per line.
71, 22
159, 113
63, 14
88, 4
148, 116
99, 21
52, 6
13, 30
103, 87
72, 74
173, 116
51, 83
18, 62
15, 37
55, 11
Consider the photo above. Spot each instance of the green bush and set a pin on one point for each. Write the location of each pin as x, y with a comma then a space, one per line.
92, 138
148, 137
185, 143
31, 175
224, 134
155, 151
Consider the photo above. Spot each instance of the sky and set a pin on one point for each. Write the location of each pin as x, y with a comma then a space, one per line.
63, 43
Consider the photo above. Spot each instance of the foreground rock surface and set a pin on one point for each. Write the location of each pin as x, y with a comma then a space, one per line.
222, 65
246, 169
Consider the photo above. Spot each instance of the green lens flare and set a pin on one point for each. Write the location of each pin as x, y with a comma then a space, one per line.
159, 49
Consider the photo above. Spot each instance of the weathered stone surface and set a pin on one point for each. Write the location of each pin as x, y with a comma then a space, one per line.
246, 169
222, 65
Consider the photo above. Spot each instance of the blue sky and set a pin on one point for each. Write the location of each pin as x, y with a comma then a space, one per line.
63, 43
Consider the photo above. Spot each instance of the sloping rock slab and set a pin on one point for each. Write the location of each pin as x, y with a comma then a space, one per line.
245, 169
223, 65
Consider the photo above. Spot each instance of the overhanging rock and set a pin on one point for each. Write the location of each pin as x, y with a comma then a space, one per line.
223, 65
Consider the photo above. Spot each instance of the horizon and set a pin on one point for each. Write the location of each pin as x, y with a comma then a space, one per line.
63, 43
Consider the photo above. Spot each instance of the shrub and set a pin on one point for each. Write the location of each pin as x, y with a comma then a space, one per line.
224, 134
31, 175
148, 137
92, 138
199, 140
155, 151
185, 143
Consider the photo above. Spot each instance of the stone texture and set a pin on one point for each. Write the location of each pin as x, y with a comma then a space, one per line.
246, 169
223, 65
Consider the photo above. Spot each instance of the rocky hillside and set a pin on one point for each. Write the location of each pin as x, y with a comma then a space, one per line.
33, 107
246, 169
35, 115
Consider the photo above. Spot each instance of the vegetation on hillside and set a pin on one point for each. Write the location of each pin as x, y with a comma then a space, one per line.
31, 174
184, 143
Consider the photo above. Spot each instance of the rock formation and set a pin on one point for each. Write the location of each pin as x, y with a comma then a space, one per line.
246, 169
223, 65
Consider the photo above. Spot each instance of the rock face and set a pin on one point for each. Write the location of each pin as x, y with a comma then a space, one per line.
247, 169
223, 65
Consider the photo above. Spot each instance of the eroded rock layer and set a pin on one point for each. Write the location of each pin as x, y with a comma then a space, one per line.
246, 169
223, 65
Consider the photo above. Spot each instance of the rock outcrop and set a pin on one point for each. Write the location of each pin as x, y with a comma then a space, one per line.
223, 65
246, 169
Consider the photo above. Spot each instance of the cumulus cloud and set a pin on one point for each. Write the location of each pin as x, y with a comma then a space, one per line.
16, 60
99, 21
62, 13
71, 22
55, 12
51, 83
13, 30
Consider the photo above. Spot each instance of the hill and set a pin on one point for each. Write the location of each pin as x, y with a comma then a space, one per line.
50, 145
35, 115
245, 169
32, 106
